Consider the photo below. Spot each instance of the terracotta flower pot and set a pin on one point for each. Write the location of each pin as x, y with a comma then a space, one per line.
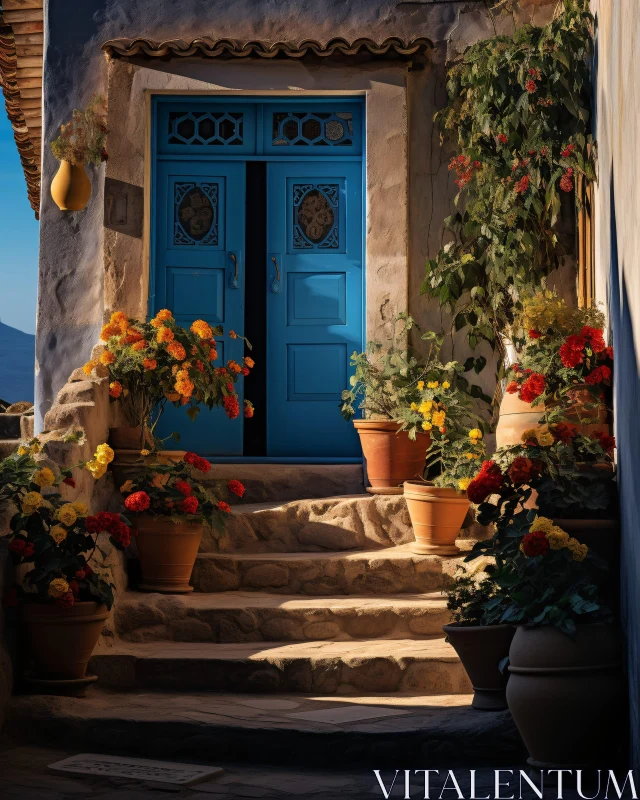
481, 649
565, 694
167, 552
60, 640
391, 457
516, 417
71, 187
436, 515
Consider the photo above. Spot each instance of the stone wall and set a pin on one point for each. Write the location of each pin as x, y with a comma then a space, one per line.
76, 250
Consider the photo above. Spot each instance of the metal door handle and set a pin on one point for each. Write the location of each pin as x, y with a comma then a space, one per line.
275, 284
234, 281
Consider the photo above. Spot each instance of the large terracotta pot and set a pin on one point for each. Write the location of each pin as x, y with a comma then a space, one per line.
391, 457
481, 649
565, 694
167, 552
60, 640
436, 515
71, 187
516, 417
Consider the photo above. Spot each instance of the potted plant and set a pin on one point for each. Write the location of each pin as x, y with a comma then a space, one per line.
64, 599
170, 507
81, 141
152, 363
482, 648
564, 364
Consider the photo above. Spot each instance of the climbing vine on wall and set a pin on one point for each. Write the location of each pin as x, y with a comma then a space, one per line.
519, 112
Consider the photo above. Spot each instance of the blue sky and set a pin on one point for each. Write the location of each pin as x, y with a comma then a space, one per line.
18, 237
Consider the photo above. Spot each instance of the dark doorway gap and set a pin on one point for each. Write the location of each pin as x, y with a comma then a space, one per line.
255, 315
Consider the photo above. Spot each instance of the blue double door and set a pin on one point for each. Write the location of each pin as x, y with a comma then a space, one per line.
311, 287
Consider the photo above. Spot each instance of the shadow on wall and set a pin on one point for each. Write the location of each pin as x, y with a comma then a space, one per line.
627, 401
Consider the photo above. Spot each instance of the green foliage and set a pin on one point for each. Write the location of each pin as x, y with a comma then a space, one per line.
83, 139
519, 109
469, 595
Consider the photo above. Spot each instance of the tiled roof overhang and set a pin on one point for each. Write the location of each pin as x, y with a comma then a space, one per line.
214, 48
21, 36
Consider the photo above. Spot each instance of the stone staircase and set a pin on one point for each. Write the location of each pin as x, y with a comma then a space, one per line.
312, 623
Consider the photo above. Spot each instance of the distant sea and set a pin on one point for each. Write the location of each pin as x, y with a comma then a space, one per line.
17, 364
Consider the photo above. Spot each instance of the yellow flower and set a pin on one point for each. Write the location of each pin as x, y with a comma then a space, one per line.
426, 406
470, 456
432, 385
420, 385
67, 514
44, 477
58, 587
438, 418
89, 367
414, 406
145, 452
529, 434
22, 450
463, 484
107, 357
104, 454
426, 426
445, 384
80, 508
127, 487
577, 550
544, 437
475, 433
543, 524
33, 499
96, 468
58, 533
35, 446
557, 538
202, 329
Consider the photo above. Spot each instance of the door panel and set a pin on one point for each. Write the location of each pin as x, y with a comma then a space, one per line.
314, 304
199, 222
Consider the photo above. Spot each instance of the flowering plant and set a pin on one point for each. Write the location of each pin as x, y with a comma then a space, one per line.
58, 539
169, 487
150, 363
83, 139
469, 593
564, 349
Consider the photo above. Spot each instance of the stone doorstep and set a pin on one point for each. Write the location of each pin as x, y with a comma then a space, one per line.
426, 729
266, 483
383, 571
399, 665
227, 617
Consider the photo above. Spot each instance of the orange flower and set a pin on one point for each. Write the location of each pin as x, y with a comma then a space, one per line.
149, 363
202, 329
176, 350
234, 366
233, 335
164, 335
133, 335
139, 345
89, 367
108, 331
157, 323
107, 357
213, 354
249, 362
115, 389
119, 320
164, 314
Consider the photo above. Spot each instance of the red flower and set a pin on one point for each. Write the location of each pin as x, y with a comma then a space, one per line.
199, 366
183, 487
571, 350
29, 550
236, 487
477, 164
600, 374
513, 387
567, 151
222, 506
198, 462
566, 182
522, 470
522, 185
189, 505
533, 334
487, 481
80, 574
531, 86
607, 442
70, 482
248, 411
138, 501
73, 585
595, 337
67, 600
17, 546
245, 371
563, 432
535, 544
230, 387
231, 406
502, 138
533, 387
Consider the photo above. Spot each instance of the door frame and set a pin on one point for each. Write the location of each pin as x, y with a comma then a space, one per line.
153, 156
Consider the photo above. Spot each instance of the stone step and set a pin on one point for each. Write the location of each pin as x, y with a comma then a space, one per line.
369, 730
283, 482
385, 571
342, 522
8, 446
10, 426
398, 665
257, 616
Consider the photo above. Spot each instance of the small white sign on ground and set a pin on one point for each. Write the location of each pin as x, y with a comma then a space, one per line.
142, 769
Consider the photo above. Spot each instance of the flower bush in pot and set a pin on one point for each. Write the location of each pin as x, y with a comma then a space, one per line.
81, 141
482, 648
170, 507
63, 598
152, 363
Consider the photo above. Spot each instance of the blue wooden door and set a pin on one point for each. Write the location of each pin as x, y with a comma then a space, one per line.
198, 246
314, 304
